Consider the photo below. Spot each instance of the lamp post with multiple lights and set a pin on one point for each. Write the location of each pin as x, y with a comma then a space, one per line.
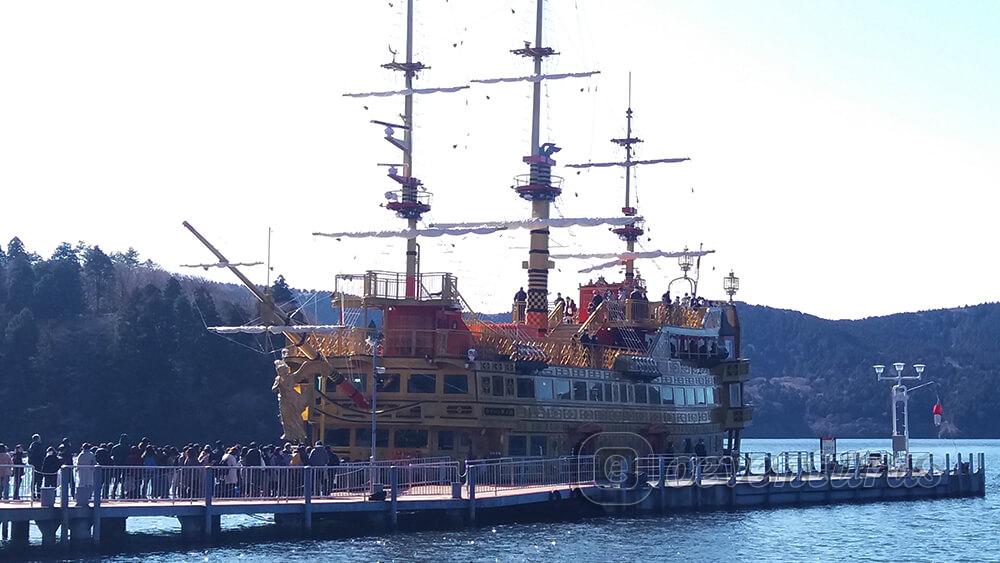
900, 399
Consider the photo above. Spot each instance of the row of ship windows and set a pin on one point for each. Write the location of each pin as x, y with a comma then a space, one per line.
597, 391
546, 388
403, 438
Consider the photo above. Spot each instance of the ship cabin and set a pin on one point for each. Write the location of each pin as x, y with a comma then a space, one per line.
445, 383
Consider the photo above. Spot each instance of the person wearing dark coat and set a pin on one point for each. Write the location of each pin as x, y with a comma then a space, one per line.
36, 456
66, 458
319, 458
50, 468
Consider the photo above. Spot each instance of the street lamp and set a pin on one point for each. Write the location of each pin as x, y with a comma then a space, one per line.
731, 284
685, 261
900, 397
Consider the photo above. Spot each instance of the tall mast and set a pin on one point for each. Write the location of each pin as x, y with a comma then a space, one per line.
410, 189
631, 232
538, 189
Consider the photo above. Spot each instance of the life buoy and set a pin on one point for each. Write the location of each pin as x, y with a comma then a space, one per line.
938, 412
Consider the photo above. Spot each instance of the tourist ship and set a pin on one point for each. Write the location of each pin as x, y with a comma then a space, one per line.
411, 367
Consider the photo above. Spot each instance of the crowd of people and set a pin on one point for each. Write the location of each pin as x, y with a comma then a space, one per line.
132, 472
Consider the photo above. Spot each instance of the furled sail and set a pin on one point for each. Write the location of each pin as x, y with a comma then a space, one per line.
630, 163
536, 77
635, 255
618, 257
407, 92
260, 329
221, 265
484, 227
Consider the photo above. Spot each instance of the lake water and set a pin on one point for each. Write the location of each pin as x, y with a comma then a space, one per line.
949, 529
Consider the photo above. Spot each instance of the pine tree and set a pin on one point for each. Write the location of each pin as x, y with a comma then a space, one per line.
99, 278
58, 293
15, 249
20, 282
281, 292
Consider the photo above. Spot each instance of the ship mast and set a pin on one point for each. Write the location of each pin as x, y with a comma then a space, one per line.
410, 188
631, 232
537, 311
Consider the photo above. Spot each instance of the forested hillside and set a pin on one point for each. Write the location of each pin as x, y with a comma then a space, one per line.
812, 376
93, 344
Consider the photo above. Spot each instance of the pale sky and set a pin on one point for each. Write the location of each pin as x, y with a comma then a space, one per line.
844, 154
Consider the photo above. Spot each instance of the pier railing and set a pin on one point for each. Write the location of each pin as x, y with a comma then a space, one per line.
494, 476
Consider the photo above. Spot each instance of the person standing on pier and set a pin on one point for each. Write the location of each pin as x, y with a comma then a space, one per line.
119, 455
36, 456
5, 472
17, 459
85, 469
50, 468
66, 458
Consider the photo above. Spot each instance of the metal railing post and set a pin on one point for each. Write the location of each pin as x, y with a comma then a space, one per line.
857, 464
209, 481
930, 462
812, 462
393, 494
64, 477
307, 481
472, 469
661, 468
98, 486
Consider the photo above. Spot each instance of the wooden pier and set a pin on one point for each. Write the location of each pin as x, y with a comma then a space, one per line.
435, 495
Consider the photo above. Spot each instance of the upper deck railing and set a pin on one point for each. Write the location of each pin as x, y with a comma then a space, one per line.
393, 285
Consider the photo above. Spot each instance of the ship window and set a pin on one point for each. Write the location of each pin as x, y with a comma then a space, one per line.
518, 446
668, 395
421, 383
525, 388
457, 384
338, 437
446, 440
562, 389
699, 395
689, 395
596, 392
579, 390
679, 396
640, 394
623, 393
654, 394
498, 386
735, 396
388, 383
710, 395
363, 438
411, 439
537, 446
543, 388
